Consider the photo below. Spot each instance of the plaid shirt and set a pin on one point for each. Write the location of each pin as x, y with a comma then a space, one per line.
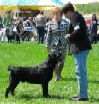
56, 34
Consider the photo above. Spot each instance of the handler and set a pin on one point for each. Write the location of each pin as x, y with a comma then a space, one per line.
79, 47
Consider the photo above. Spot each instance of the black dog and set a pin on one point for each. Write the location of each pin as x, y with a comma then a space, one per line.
40, 74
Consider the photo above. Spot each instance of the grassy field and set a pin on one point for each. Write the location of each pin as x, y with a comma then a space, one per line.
31, 54
88, 8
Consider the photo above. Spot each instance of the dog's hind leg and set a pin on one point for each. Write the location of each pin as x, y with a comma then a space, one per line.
13, 87
13, 84
45, 89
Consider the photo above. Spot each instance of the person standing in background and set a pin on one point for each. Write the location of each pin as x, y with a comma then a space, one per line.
40, 21
8, 25
1, 22
93, 28
57, 28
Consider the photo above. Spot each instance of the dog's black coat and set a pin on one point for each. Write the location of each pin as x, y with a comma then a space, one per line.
40, 74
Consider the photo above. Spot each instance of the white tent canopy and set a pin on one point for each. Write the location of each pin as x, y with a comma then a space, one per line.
44, 2
34, 4
9, 2
31, 2
38, 4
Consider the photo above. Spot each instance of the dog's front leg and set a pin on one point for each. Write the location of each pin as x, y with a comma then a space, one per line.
45, 89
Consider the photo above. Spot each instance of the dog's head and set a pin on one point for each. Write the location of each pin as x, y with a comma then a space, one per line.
54, 58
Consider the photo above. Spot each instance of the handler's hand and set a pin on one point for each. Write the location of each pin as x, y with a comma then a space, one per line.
67, 36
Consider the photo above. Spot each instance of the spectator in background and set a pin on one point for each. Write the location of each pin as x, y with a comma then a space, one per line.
33, 27
93, 28
1, 30
1, 23
8, 20
40, 21
8, 24
79, 47
57, 28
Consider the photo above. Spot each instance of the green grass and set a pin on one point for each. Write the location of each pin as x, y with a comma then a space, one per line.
31, 54
88, 8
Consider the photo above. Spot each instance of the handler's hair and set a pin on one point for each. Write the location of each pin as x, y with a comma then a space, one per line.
67, 7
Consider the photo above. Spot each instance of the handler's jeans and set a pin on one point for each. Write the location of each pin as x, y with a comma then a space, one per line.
81, 73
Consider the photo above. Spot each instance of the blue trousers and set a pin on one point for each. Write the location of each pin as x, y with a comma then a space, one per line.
81, 73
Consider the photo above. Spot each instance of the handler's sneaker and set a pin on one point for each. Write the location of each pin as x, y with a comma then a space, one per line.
77, 98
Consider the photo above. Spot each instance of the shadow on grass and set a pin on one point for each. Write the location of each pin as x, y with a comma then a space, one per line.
58, 97
93, 81
94, 100
24, 96
74, 79
69, 79
29, 97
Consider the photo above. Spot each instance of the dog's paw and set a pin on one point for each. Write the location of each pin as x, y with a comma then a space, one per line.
46, 96
6, 96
